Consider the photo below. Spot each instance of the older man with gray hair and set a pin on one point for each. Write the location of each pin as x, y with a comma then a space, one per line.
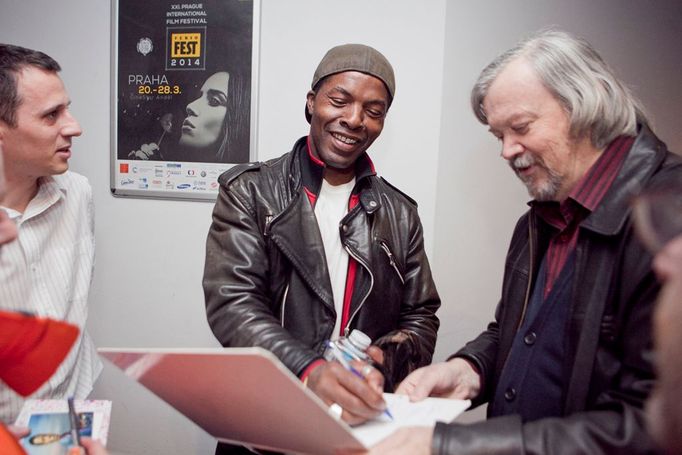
564, 367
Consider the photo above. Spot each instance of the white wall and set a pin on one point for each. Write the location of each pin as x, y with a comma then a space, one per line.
147, 286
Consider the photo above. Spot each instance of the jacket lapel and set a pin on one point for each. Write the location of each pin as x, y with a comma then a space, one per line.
296, 234
645, 156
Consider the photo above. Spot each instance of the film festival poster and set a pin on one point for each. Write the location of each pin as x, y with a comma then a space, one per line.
183, 94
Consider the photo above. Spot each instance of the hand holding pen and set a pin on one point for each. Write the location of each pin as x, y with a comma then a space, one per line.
363, 373
357, 396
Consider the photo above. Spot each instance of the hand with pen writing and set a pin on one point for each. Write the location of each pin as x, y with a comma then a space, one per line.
358, 395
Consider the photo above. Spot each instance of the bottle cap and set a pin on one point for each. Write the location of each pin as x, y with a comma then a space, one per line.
360, 340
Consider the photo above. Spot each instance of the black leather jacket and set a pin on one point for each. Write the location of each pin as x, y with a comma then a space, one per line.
266, 281
609, 330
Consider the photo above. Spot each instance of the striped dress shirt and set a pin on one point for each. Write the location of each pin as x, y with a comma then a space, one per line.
47, 271
583, 199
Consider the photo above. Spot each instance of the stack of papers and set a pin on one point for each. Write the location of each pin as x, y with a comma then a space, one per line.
423, 413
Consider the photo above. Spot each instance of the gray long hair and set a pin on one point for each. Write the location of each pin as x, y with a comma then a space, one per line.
571, 69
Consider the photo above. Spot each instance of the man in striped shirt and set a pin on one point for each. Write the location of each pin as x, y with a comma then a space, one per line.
47, 270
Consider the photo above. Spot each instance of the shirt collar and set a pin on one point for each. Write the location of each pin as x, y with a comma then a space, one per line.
50, 191
312, 169
590, 189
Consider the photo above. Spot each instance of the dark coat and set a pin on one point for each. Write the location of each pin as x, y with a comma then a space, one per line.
266, 280
609, 328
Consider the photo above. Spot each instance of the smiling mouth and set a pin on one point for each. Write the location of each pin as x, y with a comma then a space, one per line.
345, 139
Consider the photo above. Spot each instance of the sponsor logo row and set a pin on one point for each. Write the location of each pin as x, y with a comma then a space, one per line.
143, 183
168, 177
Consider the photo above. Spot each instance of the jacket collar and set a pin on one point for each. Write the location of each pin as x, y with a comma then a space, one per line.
312, 168
309, 171
645, 156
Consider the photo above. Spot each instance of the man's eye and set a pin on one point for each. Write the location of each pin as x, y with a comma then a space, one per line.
337, 101
374, 113
51, 115
520, 129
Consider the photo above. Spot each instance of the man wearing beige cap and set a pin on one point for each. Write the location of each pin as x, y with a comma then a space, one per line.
309, 246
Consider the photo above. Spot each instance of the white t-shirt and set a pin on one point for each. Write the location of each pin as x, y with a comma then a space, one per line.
330, 208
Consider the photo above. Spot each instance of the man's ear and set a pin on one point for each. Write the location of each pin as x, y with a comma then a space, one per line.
310, 102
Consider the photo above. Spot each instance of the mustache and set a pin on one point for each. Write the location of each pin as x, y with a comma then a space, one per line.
523, 161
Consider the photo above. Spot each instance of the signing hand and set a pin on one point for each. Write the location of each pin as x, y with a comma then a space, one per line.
359, 397
453, 379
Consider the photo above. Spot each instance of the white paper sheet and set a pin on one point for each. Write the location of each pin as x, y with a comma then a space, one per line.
407, 414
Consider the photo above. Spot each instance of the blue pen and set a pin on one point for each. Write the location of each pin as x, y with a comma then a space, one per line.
339, 357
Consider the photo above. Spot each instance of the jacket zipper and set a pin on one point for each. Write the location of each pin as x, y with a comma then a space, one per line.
346, 329
284, 301
391, 260
531, 230
268, 220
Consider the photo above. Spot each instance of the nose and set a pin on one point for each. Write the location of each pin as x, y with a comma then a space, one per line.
353, 117
192, 111
71, 126
511, 148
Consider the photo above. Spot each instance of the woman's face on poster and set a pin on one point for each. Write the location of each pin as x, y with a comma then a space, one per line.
205, 115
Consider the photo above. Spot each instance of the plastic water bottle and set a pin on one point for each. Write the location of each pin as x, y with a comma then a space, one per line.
353, 347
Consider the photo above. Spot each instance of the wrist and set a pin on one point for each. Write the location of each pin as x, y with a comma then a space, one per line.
468, 373
305, 375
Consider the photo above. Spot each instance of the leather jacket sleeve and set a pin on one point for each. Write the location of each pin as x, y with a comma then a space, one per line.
236, 285
616, 431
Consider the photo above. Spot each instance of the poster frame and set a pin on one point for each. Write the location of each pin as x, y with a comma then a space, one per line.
135, 190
